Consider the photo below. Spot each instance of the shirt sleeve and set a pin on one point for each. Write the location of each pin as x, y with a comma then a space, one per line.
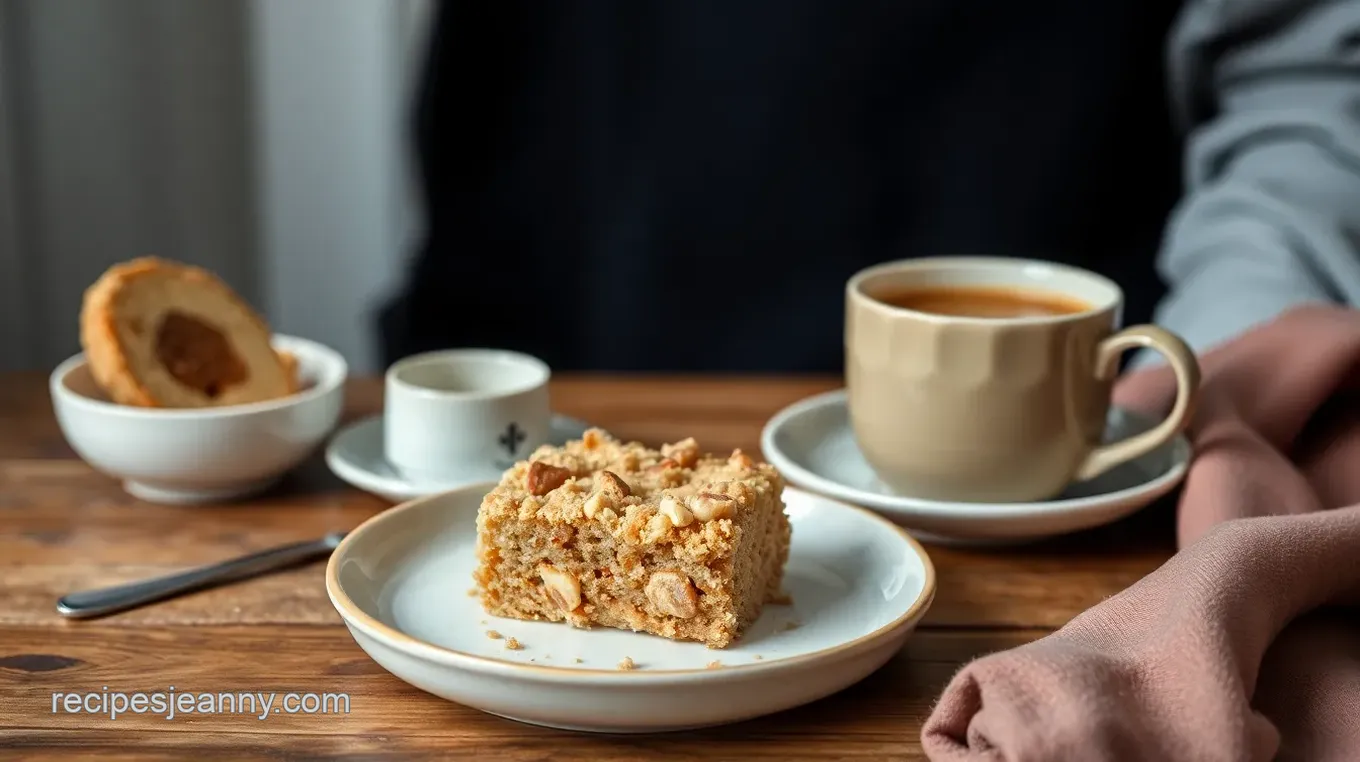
1268, 92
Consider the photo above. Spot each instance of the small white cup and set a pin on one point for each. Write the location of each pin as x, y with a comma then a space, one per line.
464, 414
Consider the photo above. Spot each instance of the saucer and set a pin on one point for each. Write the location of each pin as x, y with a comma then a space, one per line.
813, 446
858, 584
355, 454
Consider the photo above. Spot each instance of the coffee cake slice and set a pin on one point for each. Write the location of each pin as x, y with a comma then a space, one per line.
608, 533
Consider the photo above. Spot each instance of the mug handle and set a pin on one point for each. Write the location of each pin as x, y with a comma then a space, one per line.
1182, 361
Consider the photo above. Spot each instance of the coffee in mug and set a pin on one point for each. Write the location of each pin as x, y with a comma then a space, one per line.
988, 380
984, 301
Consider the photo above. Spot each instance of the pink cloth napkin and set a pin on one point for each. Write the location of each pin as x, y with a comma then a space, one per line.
1241, 647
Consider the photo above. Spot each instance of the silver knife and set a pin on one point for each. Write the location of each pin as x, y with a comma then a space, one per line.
110, 600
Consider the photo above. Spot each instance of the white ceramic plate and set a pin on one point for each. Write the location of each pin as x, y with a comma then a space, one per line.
859, 585
813, 446
355, 454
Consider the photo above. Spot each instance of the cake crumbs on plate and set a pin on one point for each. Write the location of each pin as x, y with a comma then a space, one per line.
790, 625
482, 622
514, 645
473, 592
757, 657
494, 635
626, 663
577, 660
715, 664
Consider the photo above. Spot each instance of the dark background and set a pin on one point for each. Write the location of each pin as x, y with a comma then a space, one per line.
665, 186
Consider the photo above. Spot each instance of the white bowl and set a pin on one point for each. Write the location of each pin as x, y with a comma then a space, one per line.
858, 585
207, 454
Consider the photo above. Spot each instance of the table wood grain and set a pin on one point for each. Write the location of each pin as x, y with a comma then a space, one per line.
64, 527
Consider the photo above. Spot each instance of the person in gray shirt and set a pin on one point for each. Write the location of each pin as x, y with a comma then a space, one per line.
1268, 92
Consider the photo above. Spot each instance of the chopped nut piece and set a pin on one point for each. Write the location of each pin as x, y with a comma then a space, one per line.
708, 506
673, 594
596, 503
543, 478
611, 484
563, 589
685, 452
715, 664
737, 490
676, 511
658, 527
610, 490
627, 663
741, 459
513, 645
493, 634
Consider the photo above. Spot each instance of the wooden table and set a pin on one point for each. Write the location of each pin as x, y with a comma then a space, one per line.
64, 527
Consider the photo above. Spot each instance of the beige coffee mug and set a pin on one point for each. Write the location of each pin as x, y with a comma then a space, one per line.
995, 409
